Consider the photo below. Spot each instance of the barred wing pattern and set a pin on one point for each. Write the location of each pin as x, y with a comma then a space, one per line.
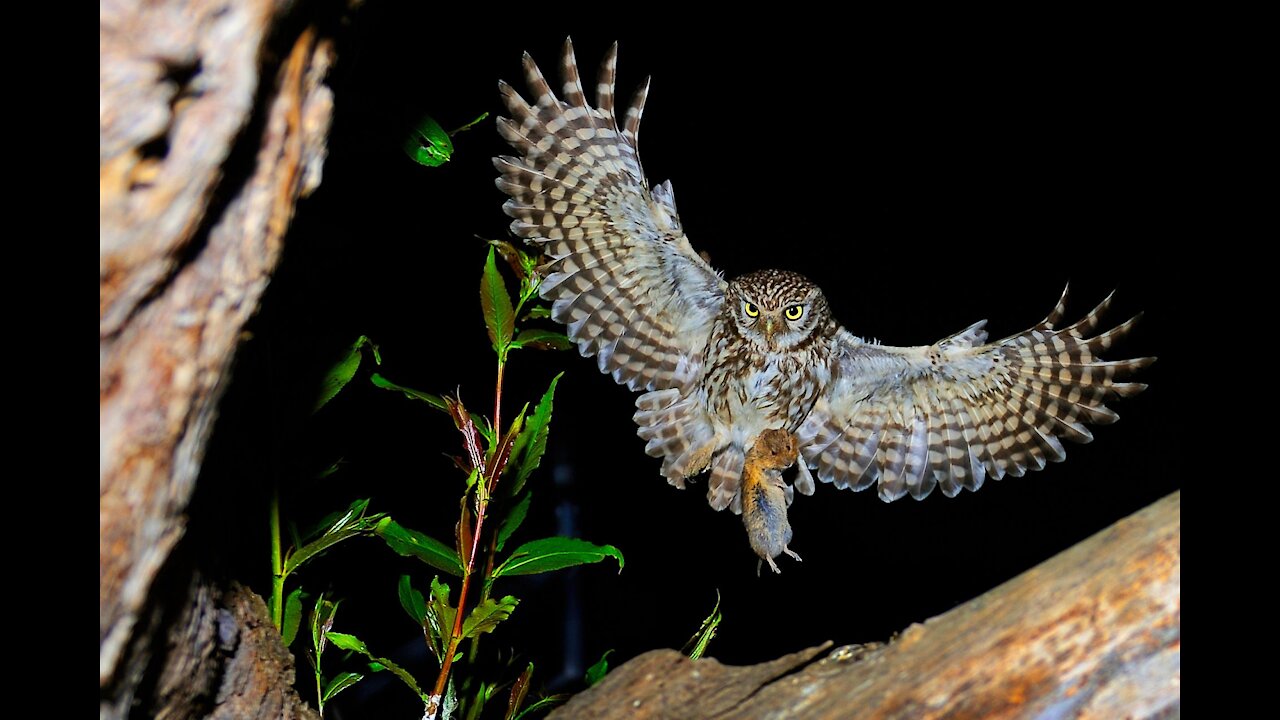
623, 276
956, 412
624, 279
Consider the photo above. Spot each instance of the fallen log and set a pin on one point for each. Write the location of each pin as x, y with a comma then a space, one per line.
1094, 632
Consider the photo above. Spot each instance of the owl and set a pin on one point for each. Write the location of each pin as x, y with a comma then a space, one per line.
723, 364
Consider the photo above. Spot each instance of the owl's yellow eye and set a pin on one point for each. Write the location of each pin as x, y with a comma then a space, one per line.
794, 312
750, 309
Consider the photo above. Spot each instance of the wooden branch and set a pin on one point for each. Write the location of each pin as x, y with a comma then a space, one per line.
1094, 632
200, 169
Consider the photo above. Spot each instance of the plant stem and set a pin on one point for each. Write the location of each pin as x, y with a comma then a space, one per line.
319, 689
455, 637
474, 649
482, 506
497, 401
277, 563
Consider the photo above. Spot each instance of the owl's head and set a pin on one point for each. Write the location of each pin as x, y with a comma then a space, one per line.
776, 309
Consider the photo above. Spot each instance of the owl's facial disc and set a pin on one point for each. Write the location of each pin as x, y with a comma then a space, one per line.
775, 308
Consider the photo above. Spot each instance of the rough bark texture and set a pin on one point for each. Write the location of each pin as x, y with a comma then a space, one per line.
217, 656
1094, 632
211, 129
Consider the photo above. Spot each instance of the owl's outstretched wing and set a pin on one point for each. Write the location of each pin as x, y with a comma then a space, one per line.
623, 276
956, 412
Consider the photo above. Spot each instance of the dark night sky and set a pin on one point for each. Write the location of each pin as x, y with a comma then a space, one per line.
924, 183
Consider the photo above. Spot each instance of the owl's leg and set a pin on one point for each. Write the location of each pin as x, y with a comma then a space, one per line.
691, 461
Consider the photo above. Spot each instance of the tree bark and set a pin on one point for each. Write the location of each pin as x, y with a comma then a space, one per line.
213, 122
1094, 632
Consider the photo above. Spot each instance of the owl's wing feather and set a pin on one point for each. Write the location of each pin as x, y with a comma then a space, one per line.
623, 276
953, 413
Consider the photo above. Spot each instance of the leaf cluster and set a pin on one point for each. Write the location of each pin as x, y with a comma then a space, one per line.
495, 463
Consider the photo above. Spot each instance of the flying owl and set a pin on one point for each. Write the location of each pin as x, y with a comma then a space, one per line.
722, 363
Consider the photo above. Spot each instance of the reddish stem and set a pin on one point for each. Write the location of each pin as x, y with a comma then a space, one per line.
482, 506
446, 664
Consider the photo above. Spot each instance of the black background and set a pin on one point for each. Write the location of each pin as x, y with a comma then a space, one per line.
924, 179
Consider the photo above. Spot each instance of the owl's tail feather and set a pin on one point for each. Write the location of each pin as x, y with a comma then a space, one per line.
675, 428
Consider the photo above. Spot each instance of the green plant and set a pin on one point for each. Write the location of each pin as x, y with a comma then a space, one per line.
428, 144
497, 462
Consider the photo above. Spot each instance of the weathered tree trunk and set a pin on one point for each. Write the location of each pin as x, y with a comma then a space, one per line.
213, 121
1094, 632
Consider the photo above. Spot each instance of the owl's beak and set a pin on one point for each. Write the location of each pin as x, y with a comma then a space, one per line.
768, 329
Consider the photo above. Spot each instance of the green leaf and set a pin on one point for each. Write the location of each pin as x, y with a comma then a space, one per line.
482, 426
335, 467
351, 523
292, 617
322, 526
412, 543
596, 672
473, 475
412, 601
514, 518
542, 340
486, 616
479, 698
337, 520
554, 553
697, 644
376, 664
348, 518
538, 312
321, 622
499, 317
341, 373
434, 401
535, 433
440, 616
428, 144
340, 682
542, 703
346, 641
